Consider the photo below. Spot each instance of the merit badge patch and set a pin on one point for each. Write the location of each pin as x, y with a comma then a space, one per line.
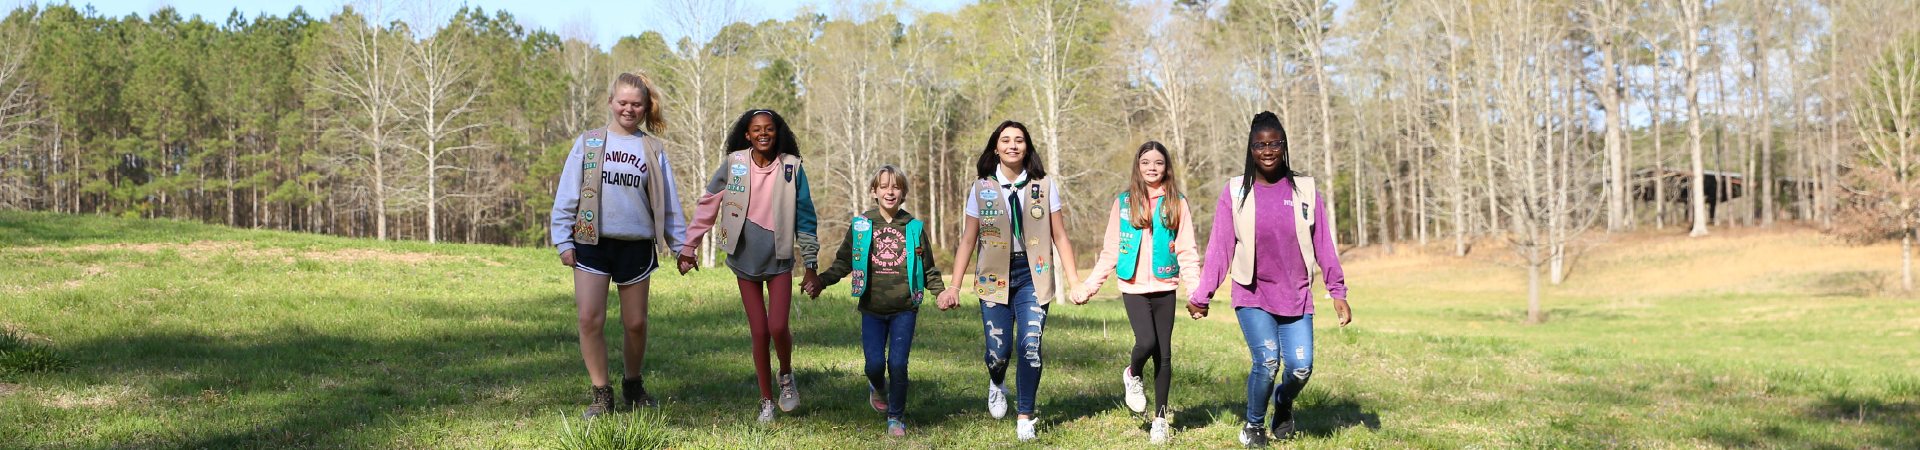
591, 155
990, 231
789, 173
586, 215
862, 225
738, 169
589, 166
587, 193
1036, 192
989, 193
596, 142
1037, 212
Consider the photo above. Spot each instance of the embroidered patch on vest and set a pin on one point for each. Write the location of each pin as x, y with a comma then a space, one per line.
1037, 212
587, 193
862, 226
596, 142
589, 166
586, 216
739, 169
1036, 192
989, 231
989, 193
789, 173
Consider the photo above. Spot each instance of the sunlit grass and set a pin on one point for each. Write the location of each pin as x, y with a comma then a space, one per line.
190, 336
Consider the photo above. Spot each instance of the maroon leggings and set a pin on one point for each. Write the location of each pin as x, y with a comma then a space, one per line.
769, 324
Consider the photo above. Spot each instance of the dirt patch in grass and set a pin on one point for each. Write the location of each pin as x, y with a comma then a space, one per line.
202, 251
7, 389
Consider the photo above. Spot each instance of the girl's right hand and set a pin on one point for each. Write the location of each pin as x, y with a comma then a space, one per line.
566, 258
686, 264
949, 299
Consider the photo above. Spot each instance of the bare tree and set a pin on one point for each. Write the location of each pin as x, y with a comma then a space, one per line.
1691, 15
361, 68
16, 113
440, 91
703, 89
1312, 20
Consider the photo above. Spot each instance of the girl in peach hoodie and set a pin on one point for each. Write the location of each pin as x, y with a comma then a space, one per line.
1149, 244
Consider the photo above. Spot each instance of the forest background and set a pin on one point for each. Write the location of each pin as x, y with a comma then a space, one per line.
1520, 123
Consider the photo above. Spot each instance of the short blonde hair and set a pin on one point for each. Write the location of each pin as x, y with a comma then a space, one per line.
655, 120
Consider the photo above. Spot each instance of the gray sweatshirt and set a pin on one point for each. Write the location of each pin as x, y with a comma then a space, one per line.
624, 212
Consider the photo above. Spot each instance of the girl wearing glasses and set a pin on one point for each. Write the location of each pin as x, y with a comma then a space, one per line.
1273, 263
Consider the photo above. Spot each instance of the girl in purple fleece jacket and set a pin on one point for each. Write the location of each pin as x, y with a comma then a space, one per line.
1272, 296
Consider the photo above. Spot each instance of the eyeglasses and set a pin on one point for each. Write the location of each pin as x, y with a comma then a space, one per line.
1276, 145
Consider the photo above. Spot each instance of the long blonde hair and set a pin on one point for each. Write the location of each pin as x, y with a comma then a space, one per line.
1137, 193
655, 121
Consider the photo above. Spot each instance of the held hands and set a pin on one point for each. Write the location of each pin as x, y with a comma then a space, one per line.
1196, 311
948, 299
810, 283
686, 264
566, 258
1080, 295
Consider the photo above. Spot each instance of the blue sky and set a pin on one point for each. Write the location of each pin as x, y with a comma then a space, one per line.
549, 14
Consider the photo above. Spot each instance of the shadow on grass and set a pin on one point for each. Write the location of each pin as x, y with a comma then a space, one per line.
1328, 417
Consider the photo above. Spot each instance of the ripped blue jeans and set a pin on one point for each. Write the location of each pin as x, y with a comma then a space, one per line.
1019, 321
1281, 344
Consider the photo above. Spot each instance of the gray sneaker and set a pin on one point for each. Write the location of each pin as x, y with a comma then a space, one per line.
766, 412
1136, 391
789, 395
1159, 434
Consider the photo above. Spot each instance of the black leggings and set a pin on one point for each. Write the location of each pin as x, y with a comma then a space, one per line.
1152, 318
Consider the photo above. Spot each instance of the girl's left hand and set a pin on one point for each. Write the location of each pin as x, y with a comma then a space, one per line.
1346, 313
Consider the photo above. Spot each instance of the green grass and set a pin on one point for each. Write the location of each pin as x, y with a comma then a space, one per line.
189, 336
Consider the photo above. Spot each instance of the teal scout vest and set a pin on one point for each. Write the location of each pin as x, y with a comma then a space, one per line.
863, 242
1164, 263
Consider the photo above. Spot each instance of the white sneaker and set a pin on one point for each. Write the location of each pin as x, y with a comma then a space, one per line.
996, 401
1136, 391
789, 396
766, 411
1159, 434
1024, 428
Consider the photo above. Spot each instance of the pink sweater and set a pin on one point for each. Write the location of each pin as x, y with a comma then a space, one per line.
1143, 281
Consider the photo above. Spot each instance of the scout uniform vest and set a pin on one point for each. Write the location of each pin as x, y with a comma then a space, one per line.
1244, 219
996, 239
586, 230
1164, 263
863, 242
733, 206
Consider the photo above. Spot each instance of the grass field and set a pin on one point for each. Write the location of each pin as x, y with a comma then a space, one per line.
183, 335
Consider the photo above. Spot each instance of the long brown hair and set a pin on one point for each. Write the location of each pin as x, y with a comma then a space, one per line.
1137, 193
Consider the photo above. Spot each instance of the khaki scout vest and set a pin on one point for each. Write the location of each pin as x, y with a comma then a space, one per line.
586, 230
1244, 218
733, 206
996, 234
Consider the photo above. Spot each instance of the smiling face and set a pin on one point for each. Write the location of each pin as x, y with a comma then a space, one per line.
1011, 145
1268, 147
887, 191
1152, 167
761, 133
629, 107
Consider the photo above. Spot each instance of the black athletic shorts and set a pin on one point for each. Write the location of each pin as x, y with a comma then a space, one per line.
628, 262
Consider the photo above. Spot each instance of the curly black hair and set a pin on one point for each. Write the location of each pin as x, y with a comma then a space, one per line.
783, 141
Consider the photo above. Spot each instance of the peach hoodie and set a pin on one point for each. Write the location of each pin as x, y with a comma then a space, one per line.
1183, 248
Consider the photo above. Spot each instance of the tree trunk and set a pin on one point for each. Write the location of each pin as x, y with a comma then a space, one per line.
1534, 315
1691, 13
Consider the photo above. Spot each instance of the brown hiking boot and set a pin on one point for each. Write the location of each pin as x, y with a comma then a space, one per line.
602, 402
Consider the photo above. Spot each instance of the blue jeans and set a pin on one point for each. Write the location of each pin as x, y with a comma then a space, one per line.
1275, 341
1025, 318
888, 340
